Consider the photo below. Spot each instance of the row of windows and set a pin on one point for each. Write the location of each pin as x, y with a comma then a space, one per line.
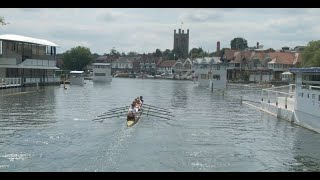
279, 65
308, 95
311, 77
102, 66
205, 76
25, 48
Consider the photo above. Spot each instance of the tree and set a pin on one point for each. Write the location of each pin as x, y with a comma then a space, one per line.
311, 54
114, 52
77, 58
95, 55
197, 53
2, 21
168, 55
158, 53
239, 43
132, 53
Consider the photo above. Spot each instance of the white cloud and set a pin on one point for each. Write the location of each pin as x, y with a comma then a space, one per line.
145, 30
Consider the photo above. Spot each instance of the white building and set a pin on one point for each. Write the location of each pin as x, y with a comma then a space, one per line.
76, 78
101, 72
25, 60
298, 103
211, 72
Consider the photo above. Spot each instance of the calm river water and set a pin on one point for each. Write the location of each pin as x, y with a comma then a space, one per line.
53, 130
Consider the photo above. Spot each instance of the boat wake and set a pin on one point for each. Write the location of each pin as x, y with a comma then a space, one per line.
118, 145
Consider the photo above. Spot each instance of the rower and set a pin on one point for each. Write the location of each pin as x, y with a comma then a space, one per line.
132, 111
138, 104
141, 99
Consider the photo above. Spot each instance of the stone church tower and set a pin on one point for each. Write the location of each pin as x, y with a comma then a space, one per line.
181, 44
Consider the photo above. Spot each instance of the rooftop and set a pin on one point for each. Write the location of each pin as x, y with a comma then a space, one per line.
13, 37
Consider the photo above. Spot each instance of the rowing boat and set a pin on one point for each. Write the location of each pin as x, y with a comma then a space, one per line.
131, 122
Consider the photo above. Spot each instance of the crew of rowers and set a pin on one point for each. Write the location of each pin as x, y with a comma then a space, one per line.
135, 107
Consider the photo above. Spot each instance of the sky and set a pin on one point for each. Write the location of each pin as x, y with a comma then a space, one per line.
143, 30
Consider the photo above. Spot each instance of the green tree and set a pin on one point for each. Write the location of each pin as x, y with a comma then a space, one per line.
158, 53
311, 54
95, 56
168, 55
197, 53
239, 43
77, 58
132, 53
114, 52
2, 21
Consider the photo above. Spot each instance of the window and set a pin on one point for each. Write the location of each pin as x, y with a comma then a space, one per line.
48, 50
203, 76
319, 98
308, 95
99, 74
0, 47
313, 96
216, 77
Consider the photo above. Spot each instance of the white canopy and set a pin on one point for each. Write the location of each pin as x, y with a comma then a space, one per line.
76, 72
287, 73
13, 37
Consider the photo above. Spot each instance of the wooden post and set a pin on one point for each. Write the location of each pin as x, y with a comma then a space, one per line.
286, 103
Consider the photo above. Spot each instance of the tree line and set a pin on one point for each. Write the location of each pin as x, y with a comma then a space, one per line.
79, 57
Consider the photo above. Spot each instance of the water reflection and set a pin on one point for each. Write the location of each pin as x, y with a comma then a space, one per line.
179, 95
52, 130
25, 108
305, 152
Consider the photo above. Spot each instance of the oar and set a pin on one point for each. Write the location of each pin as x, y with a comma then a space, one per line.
117, 113
117, 108
105, 117
158, 116
160, 110
111, 111
155, 106
162, 113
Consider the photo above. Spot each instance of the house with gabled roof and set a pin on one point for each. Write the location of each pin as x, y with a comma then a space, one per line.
182, 68
123, 64
166, 66
282, 61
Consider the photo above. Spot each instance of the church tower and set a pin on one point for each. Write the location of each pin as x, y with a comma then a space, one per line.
181, 44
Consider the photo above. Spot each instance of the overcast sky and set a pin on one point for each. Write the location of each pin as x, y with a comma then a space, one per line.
145, 30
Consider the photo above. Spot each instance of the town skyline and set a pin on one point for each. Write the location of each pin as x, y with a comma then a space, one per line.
145, 30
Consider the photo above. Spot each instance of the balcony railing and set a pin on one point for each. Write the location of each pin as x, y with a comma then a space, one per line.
10, 82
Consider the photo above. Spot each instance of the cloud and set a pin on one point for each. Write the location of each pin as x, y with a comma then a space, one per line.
145, 30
